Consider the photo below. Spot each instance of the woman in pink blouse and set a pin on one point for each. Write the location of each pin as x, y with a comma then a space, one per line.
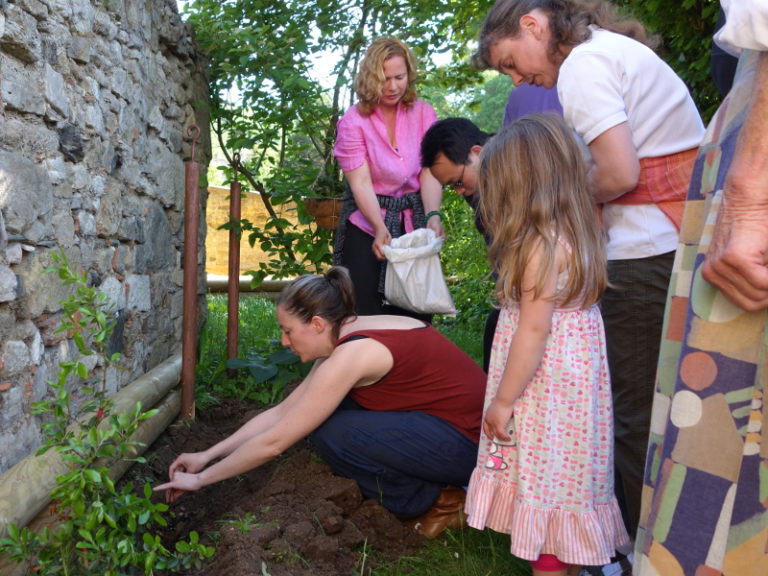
377, 146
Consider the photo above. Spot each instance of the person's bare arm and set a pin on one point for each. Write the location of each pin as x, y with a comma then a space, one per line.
616, 168
257, 425
361, 184
431, 197
525, 350
737, 260
269, 434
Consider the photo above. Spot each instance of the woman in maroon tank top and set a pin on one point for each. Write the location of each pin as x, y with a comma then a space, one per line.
389, 402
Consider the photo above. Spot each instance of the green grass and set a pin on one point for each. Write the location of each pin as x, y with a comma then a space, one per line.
466, 552
258, 337
257, 325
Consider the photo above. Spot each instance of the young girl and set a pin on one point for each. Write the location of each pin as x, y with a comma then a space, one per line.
544, 473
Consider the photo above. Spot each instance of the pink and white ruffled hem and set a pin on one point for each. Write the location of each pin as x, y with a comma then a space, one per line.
586, 535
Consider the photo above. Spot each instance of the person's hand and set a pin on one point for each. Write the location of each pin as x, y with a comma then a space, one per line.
188, 462
181, 482
737, 259
436, 225
497, 417
381, 239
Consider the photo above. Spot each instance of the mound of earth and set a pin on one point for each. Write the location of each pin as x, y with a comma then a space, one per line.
291, 516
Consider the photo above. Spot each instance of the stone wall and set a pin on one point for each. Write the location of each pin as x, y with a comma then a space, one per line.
95, 100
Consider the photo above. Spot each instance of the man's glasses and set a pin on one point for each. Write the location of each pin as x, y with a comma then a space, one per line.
459, 181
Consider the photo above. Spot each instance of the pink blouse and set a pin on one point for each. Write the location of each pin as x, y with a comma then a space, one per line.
394, 171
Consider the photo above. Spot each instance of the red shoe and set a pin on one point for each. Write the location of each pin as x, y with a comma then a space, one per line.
446, 512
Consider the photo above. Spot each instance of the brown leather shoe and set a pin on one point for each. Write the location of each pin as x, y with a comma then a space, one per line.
446, 512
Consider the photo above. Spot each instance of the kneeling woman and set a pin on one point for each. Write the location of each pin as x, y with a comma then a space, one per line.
389, 402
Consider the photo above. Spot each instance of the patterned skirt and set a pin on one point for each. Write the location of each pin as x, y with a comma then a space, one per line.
551, 487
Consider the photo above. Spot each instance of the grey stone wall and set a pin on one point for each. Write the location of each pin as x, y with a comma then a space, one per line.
95, 100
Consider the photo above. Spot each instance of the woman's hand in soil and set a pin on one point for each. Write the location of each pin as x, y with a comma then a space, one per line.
180, 483
188, 462
186, 465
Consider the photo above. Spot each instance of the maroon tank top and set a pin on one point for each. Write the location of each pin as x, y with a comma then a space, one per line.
430, 374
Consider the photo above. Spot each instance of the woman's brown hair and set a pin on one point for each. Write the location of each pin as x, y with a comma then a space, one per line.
569, 22
330, 296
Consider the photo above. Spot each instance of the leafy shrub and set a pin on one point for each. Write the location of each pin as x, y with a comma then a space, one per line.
101, 529
465, 262
271, 369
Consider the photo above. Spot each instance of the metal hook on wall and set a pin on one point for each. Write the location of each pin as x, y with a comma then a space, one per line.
193, 133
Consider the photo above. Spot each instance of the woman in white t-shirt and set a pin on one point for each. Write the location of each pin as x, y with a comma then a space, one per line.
642, 129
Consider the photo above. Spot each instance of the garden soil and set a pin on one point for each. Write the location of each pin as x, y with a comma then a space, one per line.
289, 517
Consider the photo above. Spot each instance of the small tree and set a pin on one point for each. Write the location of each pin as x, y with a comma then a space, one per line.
268, 105
101, 529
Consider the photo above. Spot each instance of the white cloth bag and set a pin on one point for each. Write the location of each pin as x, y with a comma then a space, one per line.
414, 279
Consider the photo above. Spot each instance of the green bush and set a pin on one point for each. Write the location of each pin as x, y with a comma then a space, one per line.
465, 265
101, 529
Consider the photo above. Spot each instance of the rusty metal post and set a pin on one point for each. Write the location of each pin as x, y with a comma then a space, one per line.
191, 236
233, 277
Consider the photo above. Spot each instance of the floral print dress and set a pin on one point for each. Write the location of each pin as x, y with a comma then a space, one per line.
551, 488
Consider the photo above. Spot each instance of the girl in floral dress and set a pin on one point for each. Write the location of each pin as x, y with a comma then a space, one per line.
544, 473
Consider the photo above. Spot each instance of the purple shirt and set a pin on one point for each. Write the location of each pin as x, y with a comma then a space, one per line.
529, 99
394, 171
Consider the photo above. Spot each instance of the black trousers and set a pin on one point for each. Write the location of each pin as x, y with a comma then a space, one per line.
633, 314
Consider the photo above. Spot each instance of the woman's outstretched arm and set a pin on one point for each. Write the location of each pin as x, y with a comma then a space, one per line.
270, 433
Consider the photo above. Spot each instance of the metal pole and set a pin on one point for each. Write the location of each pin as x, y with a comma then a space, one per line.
233, 278
191, 235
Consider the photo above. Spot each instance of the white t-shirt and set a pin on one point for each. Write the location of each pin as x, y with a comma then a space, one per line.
746, 26
611, 79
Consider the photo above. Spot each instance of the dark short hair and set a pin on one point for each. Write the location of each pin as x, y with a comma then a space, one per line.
454, 137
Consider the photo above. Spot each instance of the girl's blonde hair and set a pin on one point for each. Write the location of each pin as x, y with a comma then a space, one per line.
370, 78
569, 22
534, 191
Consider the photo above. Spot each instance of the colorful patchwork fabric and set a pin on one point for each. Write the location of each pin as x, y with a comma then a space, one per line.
706, 489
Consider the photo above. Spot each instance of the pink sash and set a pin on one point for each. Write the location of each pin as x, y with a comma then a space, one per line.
663, 181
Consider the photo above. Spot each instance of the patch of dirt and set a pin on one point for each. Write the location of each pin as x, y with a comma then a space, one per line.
290, 517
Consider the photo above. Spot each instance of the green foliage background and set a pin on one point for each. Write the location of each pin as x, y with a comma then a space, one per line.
270, 106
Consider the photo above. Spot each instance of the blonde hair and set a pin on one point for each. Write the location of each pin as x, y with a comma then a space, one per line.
533, 190
370, 77
569, 22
